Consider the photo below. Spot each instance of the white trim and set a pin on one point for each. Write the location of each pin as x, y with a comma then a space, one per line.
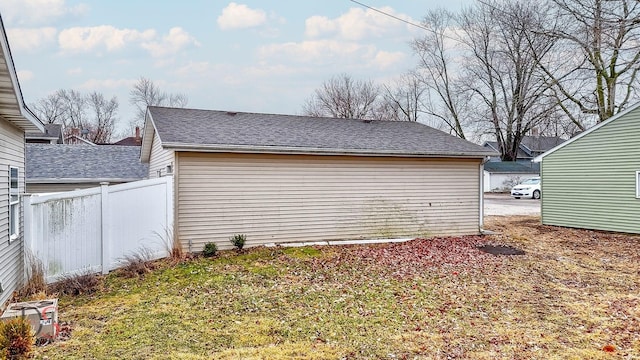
584, 133
80, 139
637, 184
24, 110
148, 133
14, 216
288, 150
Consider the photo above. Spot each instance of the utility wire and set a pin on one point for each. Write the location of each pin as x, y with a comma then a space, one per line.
390, 15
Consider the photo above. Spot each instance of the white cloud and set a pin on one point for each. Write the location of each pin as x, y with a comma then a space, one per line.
319, 51
316, 26
75, 71
30, 39
385, 59
39, 12
172, 43
24, 75
108, 84
357, 24
194, 68
240, 16
85, 39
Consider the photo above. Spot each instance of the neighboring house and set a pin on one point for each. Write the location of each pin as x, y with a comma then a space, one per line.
74, 139
283, 178
503, 175
530, 147
131, 140
52, 134
55, 168
592, 181
15, 120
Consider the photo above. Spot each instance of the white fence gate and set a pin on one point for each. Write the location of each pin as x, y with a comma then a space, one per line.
94, 229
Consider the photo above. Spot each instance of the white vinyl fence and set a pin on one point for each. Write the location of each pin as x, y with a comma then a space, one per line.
95, 229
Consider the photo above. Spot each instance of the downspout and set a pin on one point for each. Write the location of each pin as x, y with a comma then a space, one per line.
481, 193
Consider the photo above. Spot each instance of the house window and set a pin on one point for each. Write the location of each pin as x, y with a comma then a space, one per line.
638, 184
14, 204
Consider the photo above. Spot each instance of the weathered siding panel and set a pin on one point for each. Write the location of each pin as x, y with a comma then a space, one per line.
159, 158
591, 184
11, 253
95, 229
286, 198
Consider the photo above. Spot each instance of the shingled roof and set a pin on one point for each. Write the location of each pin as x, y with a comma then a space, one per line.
512, 167
51, 132
210, 130
77, 164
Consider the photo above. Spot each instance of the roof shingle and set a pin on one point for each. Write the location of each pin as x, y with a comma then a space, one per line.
103, 163
264, 132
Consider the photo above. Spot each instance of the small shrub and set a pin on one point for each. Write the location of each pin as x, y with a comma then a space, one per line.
36, 286
210, 249
137, 264
84, 282
238, 240
16, 338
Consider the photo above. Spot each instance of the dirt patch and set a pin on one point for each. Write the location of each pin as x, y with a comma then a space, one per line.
500, 250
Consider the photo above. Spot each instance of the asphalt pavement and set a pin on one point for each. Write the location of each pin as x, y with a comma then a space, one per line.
504, 204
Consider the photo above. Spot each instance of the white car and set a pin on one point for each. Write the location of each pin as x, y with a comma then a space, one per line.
529, 188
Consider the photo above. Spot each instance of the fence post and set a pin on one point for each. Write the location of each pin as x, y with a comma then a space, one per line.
104, 236
27, 234
171, 231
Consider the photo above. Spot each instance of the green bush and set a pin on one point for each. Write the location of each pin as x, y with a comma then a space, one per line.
16, 338
238, 240
210, 249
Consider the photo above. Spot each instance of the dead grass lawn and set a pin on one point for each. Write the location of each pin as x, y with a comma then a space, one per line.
574, 295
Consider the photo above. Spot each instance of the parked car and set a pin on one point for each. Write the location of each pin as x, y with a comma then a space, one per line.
529, 188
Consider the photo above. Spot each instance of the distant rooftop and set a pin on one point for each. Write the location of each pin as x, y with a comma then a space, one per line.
52, 132
53, 162
513, 167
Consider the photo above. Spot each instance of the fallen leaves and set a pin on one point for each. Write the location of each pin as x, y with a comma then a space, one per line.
574, 294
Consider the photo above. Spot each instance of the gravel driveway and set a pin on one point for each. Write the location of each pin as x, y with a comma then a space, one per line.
504, 204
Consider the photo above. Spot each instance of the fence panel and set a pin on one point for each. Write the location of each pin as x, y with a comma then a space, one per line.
95, 229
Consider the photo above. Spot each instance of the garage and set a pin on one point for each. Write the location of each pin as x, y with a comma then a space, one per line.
284, 178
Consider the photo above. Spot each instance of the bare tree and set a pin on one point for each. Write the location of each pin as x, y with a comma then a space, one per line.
104, 115
599, 46
343, 97
445, 98
510, 93
402, 102
50, 109
92, 115
74, 105
146, 93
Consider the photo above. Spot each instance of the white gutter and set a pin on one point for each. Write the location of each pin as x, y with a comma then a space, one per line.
250, 149
481, 195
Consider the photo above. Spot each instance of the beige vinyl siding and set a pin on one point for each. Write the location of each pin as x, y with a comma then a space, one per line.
159, 158
291, 198
591, 182
11, 253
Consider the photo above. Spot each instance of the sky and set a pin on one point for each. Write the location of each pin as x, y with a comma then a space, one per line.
247, 56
